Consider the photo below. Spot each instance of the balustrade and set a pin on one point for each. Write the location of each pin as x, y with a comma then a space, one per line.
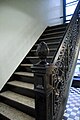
52, 80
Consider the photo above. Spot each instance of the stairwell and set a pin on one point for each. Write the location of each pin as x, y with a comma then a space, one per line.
17, 97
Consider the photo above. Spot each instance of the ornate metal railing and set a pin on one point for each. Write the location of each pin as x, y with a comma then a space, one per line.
65, 60
52, 81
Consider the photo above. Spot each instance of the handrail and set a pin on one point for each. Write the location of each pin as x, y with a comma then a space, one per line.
65, 61
73, 19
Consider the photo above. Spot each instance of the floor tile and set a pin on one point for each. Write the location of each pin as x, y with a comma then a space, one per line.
72, 111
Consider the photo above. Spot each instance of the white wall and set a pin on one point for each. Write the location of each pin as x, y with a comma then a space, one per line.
21, 24
55, 12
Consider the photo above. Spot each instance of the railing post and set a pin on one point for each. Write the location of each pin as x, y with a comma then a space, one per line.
43, 85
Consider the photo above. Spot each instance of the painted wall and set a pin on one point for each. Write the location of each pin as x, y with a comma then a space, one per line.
21, 24
55, 12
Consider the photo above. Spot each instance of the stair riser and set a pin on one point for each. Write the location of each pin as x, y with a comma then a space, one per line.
32, 53
19, 106
25, 69
24, 78
26, 61
22, 91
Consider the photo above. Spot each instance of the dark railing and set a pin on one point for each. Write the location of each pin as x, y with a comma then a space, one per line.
53, 80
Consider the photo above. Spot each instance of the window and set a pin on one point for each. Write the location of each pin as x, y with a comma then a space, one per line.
69, 8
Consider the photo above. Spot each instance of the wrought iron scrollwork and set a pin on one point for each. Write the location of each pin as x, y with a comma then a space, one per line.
63, 61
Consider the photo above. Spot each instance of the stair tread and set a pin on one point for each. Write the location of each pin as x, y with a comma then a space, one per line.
21, 84
19, 98
26, 65
49, 49
53, 33
57, 42
13, 114
24, 74
51, 38
60, 26
38, 57
50, 43
54, 29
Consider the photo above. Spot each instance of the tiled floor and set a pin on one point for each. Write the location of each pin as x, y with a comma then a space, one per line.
72, 111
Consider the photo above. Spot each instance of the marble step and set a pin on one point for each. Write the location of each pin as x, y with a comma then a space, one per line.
36, 57
49, 29
57, 27
51, 38
56, 42
26, 65
53, 49
53, 33
24, 74
50, 43
21, 84
12, 113
22, 88
24, 100
52, 52
23, 103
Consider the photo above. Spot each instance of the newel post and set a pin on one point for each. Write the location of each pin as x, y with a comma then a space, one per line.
43, 85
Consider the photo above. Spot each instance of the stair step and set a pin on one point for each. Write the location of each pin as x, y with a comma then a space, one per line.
50, 43
21, 84
57, 27
49, 29
53, 33
49, 50
24, 74
56, 42
13, 114
26, 65
23, 88
19, 98
51, 38
36, 57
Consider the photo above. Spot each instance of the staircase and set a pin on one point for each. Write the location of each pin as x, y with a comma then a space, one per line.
17, 97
